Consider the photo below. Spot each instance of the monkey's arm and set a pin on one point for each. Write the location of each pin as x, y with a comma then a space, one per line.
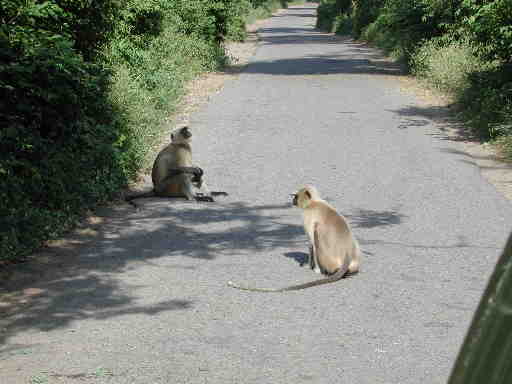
196, 171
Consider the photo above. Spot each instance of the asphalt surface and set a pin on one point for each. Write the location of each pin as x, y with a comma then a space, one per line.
147, 301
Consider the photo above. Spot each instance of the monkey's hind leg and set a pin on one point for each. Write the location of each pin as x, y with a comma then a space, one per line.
316, 245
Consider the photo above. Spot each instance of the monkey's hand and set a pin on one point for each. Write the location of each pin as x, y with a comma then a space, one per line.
198, 176
197, 171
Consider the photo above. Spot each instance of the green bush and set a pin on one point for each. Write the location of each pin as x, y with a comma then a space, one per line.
364, 12
489, 24
378, 33
343, 24
85, 23
209, 20
58, 153
402, 26
230, 19
329, 11
487, 103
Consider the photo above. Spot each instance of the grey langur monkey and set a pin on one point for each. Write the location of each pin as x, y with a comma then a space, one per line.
173, 174
334, 251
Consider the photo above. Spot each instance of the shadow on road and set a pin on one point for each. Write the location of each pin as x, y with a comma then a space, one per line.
459, 244
345, 63
348, 56
323, 65
365, 218
76, 279
299, 257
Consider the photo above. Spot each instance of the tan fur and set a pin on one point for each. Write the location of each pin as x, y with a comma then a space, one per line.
336, 243
334, 250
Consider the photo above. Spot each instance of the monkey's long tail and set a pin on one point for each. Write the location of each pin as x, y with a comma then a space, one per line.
233, 285
338, 275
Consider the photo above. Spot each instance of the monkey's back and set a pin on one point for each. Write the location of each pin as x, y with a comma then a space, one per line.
336, 241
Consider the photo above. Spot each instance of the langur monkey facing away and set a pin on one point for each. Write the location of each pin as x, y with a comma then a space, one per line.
173, 174
334, 251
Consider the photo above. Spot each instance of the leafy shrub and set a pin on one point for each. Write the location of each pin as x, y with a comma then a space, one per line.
85, 23
209, 20
343, 24
488, 23
230, 19
58, 153
401, 27
487, 103
328, 11
88, 22
364, 12
378, 33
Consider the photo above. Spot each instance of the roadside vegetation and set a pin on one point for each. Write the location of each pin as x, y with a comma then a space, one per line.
462, 48
85, 89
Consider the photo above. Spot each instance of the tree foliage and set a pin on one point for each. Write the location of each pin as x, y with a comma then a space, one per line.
488, 23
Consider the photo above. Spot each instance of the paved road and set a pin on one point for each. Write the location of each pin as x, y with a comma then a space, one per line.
147, 302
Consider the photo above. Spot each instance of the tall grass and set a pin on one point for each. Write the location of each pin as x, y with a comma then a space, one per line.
148, 86
448, 66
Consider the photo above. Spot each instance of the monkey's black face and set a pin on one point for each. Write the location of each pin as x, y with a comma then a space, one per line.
185, 132
294, 200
